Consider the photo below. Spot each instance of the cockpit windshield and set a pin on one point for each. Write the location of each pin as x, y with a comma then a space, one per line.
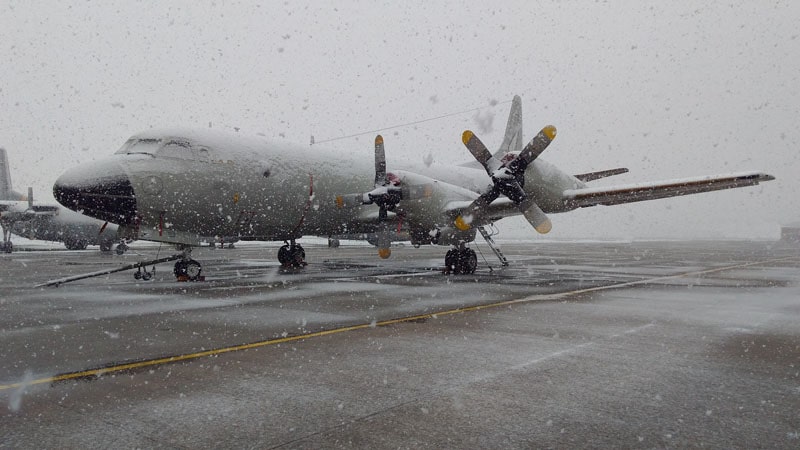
139, 146
171, 148
176, 149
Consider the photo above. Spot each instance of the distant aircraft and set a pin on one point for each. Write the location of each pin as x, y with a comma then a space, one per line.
175, 186
24, 217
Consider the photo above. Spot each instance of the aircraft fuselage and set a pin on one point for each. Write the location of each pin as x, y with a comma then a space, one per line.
176, 186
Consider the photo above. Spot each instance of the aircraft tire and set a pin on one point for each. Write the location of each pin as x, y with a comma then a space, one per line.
193, 270
105, 246
451, 261
121, 249
298, 256
188, 268
7, 247
467, 261
180, 268
284, 255
294, 256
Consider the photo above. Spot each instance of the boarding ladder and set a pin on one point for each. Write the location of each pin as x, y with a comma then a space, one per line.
493, 246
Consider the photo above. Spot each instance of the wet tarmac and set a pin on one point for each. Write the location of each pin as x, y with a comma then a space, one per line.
633, 345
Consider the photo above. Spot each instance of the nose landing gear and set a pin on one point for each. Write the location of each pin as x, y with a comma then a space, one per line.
188, 270
292, 255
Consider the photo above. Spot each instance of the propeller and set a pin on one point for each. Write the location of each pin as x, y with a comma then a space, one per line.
508, 178
386, 194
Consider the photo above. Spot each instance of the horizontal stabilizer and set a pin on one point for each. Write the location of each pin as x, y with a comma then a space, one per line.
591, 176
614, 195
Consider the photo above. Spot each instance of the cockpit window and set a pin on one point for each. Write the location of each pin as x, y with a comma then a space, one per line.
172, 148
176, 149
141, 146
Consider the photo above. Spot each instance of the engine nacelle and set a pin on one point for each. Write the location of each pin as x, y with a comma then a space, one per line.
452, 236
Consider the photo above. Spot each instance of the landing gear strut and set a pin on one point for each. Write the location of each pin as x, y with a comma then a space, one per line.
460, 260
6, 246
292, 255
144, 274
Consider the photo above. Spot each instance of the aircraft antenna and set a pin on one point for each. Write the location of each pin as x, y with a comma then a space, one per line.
430, 119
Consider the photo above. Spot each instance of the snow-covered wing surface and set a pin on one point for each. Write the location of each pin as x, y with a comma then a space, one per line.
20, 206
6, 205
614, 195
45, 209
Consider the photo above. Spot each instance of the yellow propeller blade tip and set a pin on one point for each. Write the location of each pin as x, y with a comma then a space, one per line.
378, 140
461, 224
545, 227
384, 252
550, 132
466, 136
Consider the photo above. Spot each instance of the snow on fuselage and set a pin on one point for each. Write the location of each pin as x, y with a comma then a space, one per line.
179, 185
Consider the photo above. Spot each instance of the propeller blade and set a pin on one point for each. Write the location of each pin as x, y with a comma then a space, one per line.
384, 242
475, 210
537, 145
535, 216
507, 180
350, 200
380, 162
480, 152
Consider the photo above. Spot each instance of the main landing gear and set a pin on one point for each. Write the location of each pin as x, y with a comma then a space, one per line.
460, 260
6, 246
292, 255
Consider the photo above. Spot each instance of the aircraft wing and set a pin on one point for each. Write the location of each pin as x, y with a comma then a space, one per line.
628, 193
22, 207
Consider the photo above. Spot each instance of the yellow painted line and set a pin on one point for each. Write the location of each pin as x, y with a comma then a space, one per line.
189, 356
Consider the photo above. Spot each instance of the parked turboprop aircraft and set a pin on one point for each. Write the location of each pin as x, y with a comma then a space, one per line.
24, 217
175, 186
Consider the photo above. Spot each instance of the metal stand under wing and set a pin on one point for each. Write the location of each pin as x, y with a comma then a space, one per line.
138, 265
493, 246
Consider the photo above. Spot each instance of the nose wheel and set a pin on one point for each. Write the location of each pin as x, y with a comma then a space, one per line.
292, 255
187, 270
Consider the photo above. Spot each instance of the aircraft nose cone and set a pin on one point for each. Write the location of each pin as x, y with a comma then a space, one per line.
101, 190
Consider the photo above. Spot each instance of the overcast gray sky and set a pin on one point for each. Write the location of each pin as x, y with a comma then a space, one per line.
667, 89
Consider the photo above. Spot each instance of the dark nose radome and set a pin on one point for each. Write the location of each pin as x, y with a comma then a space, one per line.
102, 191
